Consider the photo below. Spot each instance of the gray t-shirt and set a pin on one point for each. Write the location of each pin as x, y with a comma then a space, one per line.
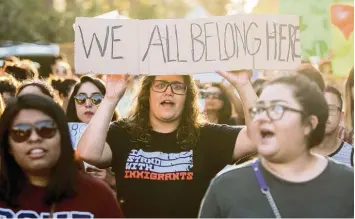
235, 193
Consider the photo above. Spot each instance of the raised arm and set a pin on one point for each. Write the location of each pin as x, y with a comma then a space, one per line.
92, 146
240, 80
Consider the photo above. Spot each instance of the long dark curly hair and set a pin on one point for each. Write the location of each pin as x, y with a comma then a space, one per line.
138, 122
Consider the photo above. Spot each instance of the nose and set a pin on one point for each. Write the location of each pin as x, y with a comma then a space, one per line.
88, 103
169, 90
34, 137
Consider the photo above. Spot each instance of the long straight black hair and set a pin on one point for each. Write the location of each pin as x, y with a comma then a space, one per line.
63, 175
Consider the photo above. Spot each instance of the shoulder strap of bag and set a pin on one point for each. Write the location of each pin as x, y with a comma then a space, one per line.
265, 188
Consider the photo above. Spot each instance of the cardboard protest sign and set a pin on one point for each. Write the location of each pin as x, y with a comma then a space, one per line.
186, 46
76, 131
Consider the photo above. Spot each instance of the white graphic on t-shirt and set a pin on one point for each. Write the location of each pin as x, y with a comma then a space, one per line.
8, 213
159, 166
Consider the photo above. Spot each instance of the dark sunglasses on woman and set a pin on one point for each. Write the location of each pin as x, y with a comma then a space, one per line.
22, 132
214, 95
95, 98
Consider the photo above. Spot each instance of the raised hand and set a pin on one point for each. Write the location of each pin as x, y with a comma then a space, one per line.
236, 78
116, 86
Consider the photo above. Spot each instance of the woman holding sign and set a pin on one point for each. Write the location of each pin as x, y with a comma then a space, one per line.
38, 175
82, 106
164, 155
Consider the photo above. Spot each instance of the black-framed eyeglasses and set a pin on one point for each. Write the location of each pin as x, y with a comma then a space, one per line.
333, 110
22, 132
161, 86
214, 95
95, 98
274, 111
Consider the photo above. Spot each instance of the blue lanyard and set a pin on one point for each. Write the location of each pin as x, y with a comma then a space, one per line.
265, 188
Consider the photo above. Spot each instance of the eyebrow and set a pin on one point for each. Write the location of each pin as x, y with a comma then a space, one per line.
171, 81
91, 93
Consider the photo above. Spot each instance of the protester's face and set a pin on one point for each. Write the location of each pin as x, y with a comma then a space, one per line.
87, 108
334, 113
282, 136
167, 106
31, 90
34, 151
213, 99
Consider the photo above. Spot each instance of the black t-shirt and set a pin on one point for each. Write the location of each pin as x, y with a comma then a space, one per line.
235, 193
165, 180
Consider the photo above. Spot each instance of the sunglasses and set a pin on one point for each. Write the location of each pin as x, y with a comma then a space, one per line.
22, 132
214, 95
95, 98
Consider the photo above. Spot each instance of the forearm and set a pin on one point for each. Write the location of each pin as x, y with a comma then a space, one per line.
92, 142
248, 98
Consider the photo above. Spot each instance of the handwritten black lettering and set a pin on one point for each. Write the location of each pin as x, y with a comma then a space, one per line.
177, 46
242, 38
113, 28
255, 39
102, 50
219, 44
156, 27
270, 36
295, 40
168, 44
225, 40
206, 41
193, 39
280, 40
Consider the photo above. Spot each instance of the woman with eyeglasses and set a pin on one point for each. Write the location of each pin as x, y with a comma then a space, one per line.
218, 107
286, 180
38, 174
82, 106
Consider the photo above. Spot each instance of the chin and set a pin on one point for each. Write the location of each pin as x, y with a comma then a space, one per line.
267, 150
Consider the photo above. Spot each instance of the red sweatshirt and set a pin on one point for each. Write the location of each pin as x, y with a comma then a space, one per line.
94, 199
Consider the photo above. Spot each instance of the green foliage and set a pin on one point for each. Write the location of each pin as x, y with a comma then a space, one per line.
36, 20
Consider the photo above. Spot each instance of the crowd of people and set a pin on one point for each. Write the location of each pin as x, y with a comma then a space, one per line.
270, 147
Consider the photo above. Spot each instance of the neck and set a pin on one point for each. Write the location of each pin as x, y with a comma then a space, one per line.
299, 169
329, 144
38, 180
212, 116
164, 127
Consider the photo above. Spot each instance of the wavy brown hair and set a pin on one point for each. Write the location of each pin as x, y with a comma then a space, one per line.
138, 122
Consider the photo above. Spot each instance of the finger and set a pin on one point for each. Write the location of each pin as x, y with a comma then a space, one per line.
224, 74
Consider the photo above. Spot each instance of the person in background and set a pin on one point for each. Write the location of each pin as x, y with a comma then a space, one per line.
62, 69
85, 99
164, 153
8, 86
63, 87
312, 74
218, 108
332, 146
287, 180
38, 87
26, 63
82, 106
38, 175
346, 133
